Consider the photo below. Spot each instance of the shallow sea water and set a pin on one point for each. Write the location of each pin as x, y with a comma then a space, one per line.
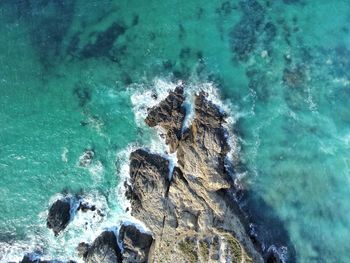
71, 76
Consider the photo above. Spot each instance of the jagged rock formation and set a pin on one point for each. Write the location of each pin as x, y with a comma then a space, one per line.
59, 215
169, 115
104, 249
190, 212
136, 245
63, 210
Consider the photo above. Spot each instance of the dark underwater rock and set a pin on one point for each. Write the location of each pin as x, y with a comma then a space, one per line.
136, 245
59, 215
47, 23
86, 159
82, 93
104, 42
294, 77
104, 249
244, 33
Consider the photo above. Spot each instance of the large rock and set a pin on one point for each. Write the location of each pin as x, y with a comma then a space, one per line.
203, 149
169, 115
136, 244
59, 215
104, 249
192, 216
149, 178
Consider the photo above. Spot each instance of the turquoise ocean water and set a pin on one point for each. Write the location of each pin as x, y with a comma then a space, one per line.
76, 75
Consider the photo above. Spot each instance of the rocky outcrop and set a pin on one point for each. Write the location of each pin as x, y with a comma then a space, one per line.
135, 247
104, 249
190, 212
203, 147
169, 115
149, 178
59, 215
136, 244
64, 209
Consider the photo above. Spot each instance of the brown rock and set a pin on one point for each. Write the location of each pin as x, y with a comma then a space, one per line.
169, 115
136, 245
192, 217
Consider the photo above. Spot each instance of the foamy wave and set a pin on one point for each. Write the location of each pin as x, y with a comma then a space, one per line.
147, 97
123, 172
13, 252
96, 170
64, 155
84, 227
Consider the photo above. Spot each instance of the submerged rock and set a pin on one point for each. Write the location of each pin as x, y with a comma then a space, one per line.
245, 33
191, 213
86, 159
104, 249
294, 78
136, 244
59, 215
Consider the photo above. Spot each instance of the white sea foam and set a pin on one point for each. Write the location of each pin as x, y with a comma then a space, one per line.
64, 155
342, 81
96, 170
189, 108
281, 251
123, 172
148, 96
14, 251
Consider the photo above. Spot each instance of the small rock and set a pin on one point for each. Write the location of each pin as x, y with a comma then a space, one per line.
84, 207
86, 159
59, 215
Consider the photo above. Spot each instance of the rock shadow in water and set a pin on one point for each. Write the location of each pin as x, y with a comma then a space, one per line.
267, 228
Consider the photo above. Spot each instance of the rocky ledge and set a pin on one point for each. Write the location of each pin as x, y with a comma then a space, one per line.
189, 208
